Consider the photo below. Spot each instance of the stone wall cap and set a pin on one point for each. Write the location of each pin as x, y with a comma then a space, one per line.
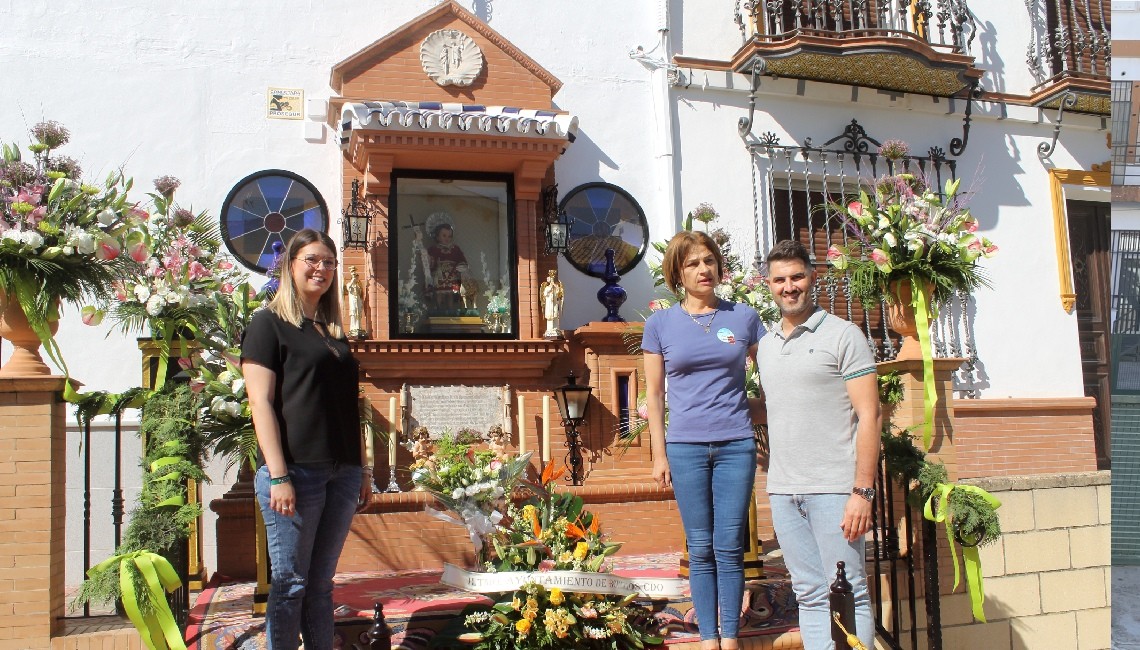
36, 384
1040, 481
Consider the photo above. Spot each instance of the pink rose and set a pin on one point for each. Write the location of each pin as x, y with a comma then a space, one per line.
546, 565
227, 288
225, 265
496, 465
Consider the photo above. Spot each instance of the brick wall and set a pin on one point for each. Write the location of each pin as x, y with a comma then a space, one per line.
1013, 437
32, 511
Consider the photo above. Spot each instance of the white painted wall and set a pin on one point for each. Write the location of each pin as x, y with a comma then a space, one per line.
179, 88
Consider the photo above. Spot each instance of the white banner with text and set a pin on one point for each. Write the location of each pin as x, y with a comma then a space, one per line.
575, 581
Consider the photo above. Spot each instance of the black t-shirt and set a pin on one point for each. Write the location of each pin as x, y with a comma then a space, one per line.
315, 397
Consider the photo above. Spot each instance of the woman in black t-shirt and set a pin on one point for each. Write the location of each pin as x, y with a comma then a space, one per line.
301, 379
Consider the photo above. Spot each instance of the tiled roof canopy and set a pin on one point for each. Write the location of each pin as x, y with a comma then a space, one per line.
442, 117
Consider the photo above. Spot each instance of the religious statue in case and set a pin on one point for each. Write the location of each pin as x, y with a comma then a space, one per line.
551, 296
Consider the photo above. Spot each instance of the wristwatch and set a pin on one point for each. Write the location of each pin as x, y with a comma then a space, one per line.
866, 493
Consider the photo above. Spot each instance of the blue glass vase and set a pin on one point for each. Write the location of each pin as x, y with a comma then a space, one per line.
612, 295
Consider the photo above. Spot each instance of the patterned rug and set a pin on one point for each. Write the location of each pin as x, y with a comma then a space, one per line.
417, 606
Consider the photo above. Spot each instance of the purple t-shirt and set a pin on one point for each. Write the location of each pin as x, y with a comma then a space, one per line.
704, 371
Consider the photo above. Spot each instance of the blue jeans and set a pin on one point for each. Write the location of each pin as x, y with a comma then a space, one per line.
303, 551
713, 484
807, 527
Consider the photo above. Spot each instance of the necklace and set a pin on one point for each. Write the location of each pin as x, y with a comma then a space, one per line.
320, 328
704, 326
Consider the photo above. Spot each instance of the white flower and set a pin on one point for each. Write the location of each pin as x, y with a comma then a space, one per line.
225, 377
889, 238
238, 386
142, 292
34, 240
84, 243
233, 409
155, 305
723, 291
218, 405
106, 217
457, 493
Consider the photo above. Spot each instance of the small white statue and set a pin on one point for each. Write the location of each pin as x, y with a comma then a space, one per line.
551, 295
354, 293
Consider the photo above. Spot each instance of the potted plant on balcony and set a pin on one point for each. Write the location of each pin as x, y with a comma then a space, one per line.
912, 248
61, 241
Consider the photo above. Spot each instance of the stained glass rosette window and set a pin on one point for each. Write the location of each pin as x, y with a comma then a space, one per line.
267, 207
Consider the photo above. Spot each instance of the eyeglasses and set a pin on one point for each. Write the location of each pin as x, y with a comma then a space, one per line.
314, 263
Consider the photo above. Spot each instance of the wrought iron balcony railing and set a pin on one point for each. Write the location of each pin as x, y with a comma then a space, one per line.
1069, 54
910, 46
1069, 38
943, 24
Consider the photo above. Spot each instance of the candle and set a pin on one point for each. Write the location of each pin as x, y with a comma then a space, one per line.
369, 450
507, 425
522, 425
545, 428
393, 433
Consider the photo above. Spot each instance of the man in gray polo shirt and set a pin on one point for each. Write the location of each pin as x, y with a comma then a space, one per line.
820, 390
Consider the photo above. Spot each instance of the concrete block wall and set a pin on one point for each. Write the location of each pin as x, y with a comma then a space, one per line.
1047, 580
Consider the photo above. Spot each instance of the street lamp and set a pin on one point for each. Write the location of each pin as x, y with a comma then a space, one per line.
355, 219
557, 223
573, 400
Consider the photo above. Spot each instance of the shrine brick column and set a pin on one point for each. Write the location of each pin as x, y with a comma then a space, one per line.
32, 511
910, 411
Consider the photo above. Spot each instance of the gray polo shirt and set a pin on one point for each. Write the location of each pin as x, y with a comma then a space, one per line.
811, 422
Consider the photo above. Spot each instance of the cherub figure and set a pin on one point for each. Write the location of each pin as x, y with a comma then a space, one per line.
497, 441
422, 446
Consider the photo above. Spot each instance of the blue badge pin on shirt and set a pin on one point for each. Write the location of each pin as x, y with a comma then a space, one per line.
726, 335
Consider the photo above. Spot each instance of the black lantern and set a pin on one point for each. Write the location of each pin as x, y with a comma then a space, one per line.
557, 226
573, 400
558, 235
355, 220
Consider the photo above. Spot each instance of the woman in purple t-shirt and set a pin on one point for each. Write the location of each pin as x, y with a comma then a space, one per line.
701, 346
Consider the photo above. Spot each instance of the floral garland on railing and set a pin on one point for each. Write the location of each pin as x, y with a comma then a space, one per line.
967, 512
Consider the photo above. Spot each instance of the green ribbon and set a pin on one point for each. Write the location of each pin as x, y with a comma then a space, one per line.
157, 627
970, 554
920, 301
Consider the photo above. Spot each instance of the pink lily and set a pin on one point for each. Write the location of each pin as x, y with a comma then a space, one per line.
91, 316
107, 249
197, 271
881, 260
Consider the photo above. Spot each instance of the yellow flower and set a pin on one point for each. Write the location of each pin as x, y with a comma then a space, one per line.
531, 603
516, 604
565, 557
580, 550
556, 597
523, 626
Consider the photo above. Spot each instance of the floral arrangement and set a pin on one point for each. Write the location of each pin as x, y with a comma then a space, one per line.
968, 513
738, 284
60, 239
537, 617
550, 531
904, 229
178, 273
474, 485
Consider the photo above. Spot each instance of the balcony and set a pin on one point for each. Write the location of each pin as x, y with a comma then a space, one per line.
1069, 54
898, 47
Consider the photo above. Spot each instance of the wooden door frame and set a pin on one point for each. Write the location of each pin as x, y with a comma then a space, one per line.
1058, 178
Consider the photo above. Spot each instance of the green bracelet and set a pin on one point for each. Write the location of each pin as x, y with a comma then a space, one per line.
280, 480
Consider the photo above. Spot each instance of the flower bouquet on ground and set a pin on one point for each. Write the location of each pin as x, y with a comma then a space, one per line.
550, 531
474, 485
60, 239
545, 545
537, 617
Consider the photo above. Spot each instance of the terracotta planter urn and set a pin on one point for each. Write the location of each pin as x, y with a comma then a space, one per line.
25, 360
901, 318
